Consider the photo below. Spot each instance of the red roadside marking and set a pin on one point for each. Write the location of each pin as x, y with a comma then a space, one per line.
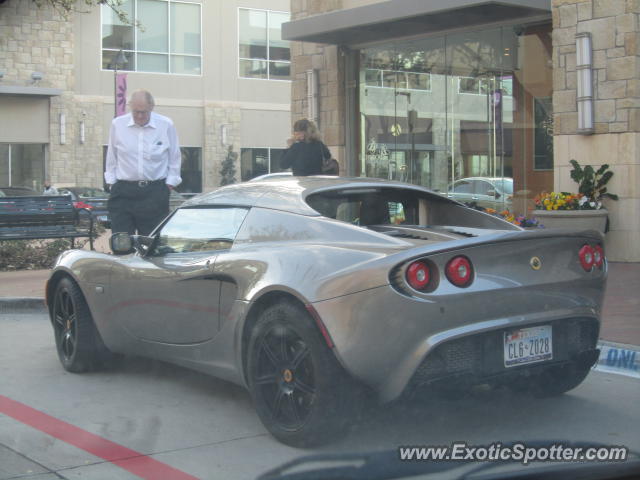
130, 460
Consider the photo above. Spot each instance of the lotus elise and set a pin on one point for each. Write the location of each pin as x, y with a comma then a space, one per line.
311, 290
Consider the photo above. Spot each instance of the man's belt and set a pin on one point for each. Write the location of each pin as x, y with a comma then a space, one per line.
143, 183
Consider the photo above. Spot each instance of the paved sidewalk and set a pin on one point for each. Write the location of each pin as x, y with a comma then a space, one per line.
620, 319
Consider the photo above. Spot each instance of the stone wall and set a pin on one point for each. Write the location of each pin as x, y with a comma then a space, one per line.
41, 40
214, 152
614, 27
329, 62
35, 39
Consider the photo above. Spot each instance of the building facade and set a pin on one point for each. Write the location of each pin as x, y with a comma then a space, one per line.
218, 68
478, 99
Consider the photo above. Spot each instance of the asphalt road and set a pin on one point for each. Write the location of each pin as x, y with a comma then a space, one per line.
166, 422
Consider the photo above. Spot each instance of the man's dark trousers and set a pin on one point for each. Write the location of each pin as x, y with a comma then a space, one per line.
138, 206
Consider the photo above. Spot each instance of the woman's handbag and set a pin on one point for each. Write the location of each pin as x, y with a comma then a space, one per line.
330, 166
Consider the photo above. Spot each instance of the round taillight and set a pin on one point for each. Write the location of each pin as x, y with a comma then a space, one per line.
418, 275
587, 257
598, 255
459, 271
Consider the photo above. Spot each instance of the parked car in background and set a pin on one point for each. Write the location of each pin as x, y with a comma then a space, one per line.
310, 291
94, 199
486, 192
14, 191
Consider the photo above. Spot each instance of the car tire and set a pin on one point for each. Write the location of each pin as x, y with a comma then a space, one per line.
301, 394
78, 343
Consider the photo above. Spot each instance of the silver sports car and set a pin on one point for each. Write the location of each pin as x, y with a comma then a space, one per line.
310, 291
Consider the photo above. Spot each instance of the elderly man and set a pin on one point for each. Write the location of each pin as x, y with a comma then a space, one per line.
142, 167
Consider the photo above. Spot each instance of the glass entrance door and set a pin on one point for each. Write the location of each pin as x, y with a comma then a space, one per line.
439, 110
403, 113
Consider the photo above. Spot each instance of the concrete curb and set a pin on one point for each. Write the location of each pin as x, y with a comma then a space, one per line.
22, 305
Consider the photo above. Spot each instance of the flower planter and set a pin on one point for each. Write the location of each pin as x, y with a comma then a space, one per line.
573, 219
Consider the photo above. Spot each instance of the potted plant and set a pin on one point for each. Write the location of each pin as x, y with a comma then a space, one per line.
582, 210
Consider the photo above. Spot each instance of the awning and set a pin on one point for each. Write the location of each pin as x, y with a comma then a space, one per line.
401, 18
17, 90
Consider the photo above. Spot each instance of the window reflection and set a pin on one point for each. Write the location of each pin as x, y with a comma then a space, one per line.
170, 41
262, 51
471, 104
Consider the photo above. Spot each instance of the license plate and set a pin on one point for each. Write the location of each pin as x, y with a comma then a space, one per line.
528, 345
102, 218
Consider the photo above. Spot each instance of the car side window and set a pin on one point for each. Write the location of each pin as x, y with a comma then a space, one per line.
462, 187
482, 188
375, 208
200, 230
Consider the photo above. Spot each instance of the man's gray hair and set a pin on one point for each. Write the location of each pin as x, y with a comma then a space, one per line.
147, 96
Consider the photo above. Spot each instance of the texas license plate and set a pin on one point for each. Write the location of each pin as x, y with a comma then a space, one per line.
528, 345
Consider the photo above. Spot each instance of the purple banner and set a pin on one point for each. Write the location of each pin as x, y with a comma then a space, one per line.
121, 94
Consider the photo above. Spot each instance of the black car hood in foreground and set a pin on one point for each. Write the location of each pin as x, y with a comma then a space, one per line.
386, 464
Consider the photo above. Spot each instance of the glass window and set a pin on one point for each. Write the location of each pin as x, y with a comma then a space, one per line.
155, 18
472, 103
185, 31
372, 77
22, 165
259, 161
543, 136
262, 51
191, 170
169, 40
200, 229
115, 33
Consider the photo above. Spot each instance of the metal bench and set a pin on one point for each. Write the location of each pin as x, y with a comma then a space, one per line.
39, 217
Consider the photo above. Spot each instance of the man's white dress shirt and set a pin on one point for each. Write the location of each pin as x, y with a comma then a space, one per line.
151, 152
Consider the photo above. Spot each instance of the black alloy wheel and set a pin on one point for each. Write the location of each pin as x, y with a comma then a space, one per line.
285, 376
300, 391
73, 328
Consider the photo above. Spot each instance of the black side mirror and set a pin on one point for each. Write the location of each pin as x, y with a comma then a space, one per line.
121, 243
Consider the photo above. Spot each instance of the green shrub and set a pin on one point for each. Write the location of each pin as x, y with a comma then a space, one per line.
32, 254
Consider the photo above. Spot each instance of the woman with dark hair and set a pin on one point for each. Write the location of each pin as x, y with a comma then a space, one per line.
306, 150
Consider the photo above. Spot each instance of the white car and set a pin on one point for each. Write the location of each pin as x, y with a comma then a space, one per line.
486, 192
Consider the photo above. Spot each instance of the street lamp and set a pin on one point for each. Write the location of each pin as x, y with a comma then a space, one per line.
121, 59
